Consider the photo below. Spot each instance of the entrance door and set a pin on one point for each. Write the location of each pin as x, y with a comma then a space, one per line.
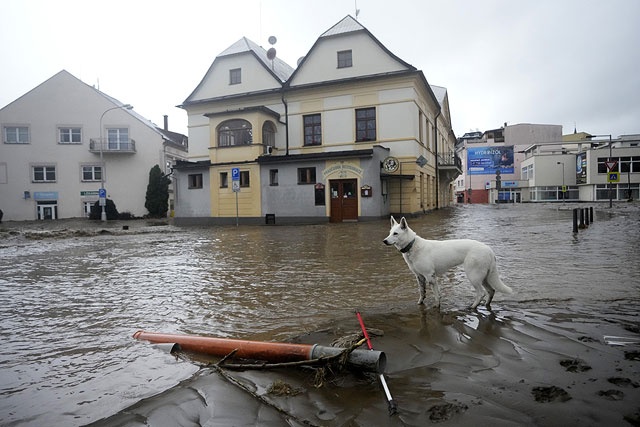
47, 210
344, 200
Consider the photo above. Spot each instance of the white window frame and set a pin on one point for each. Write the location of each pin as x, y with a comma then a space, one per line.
46, 170
95, 172
72, 134
20, 134
235, 76
117, 138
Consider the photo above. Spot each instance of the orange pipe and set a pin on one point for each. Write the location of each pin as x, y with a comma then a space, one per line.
269, 351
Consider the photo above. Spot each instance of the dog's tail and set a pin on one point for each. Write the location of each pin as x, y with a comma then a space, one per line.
493, 279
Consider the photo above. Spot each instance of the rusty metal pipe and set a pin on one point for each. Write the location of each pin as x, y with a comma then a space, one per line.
268, 351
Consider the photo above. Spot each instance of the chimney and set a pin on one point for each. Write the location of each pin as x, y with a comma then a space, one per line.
166, 122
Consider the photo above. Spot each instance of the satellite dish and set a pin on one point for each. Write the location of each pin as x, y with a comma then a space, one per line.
272, 40
271, 53
300, 60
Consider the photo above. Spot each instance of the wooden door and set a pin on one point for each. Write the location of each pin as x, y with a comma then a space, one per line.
344, 200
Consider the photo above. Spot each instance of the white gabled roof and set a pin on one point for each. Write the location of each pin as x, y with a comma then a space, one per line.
440, 93
280, 68
347, 25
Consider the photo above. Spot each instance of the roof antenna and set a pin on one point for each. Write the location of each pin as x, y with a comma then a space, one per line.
355, 3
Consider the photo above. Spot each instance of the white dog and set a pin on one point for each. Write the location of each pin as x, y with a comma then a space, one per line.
428, 258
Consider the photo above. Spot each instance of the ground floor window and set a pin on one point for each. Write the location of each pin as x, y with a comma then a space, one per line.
554, 193
306, 175
244, 179
195, 181
618, 191
273, 177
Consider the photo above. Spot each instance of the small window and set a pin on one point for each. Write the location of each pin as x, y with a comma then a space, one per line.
91, 173
244, 178
16, 135
344, 59
312, 129
273, 177
366, 124
235, 76
224, 179
306, 175
70, 135
44, 173
195, 181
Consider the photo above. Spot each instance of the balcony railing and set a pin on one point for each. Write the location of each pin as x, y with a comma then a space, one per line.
449, 159
105, 146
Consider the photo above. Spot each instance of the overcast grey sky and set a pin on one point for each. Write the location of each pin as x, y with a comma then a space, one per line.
566, 62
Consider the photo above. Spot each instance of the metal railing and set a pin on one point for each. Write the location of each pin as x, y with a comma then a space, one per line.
106, 146
449, 158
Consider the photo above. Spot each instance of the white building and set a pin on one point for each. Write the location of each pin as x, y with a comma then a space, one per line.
64, 140
579, 170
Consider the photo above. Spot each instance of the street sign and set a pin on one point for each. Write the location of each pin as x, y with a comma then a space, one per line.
235, 186
102, 193
613, 177
235, 174
611, 164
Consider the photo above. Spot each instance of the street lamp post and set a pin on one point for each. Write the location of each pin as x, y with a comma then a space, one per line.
610, 155
562, 163
103, 215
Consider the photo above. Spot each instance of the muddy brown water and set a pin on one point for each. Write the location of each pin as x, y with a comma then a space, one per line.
72, 293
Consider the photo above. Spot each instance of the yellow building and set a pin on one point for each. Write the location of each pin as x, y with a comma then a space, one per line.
353, 133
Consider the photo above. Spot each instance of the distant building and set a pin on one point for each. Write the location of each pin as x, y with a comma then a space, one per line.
579, 169
353, 133
499, 153
55, 157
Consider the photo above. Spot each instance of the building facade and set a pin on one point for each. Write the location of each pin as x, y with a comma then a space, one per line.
64, 141
353, 133
583, 170
499, 153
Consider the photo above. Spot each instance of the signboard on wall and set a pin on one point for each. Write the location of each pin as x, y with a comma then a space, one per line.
487, 160
581, 168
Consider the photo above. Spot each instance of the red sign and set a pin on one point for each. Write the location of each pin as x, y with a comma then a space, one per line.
611, 164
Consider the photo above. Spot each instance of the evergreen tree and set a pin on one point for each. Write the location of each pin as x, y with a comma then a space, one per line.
110, 209
157, 200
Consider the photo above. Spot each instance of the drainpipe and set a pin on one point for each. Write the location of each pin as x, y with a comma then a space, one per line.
435, 133
286, 123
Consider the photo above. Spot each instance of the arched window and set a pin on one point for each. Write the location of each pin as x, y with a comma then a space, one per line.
234, 132
268, 134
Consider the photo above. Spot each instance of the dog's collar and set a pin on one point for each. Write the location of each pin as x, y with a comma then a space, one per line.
408, 247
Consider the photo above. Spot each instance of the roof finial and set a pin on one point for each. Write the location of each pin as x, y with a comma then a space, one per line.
355, 2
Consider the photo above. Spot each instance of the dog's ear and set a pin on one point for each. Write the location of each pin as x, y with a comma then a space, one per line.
403, 223
393, 221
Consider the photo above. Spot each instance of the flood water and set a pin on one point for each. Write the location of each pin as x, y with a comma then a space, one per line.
70, 302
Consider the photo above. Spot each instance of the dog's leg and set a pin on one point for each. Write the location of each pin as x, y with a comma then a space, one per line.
422, 286
490, 293
435, 288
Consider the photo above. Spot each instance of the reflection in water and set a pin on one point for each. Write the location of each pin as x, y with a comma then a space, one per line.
69, 306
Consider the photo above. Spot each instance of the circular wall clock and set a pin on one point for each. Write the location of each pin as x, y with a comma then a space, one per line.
390, 164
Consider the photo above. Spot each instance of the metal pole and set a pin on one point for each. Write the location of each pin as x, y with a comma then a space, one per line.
610, 195
103, 214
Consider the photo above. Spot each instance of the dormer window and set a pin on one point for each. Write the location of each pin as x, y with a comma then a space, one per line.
344, 59
235, 76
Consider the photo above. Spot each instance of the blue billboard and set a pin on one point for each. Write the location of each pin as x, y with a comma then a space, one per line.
487, 160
